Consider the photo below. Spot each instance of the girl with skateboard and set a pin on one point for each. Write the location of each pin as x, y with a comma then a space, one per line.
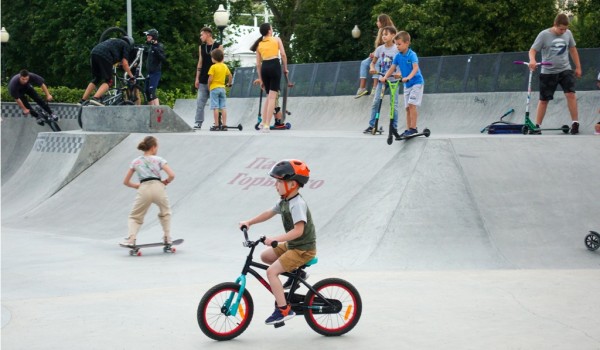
268, 50
150, 189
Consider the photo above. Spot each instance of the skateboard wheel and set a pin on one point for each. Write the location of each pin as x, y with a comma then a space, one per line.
131, 252
173, 250
139, 253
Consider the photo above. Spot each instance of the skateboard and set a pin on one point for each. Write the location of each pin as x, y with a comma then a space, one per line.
426, 132
167, 248
592, 241
46, 119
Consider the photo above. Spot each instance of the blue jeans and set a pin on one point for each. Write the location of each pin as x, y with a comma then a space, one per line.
203, 95
375, 106
364, 68
217, 98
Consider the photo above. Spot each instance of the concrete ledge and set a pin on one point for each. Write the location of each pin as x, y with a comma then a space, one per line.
138, 119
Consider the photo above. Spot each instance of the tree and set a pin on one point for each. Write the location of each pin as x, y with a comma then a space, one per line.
54, 38
451, 27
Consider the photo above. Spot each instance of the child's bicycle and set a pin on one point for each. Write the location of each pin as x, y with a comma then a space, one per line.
331, 307
46, 118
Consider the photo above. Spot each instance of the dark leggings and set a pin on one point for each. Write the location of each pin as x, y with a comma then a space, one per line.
28, 90
271, 74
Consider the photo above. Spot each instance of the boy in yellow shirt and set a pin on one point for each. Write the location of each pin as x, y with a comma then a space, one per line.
216, 84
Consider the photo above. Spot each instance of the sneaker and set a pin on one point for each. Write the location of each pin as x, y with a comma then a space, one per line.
129, 241
198, 125
96, 101
413, 131
575, 128
214, 128
280, 315
535, 131
265, 129
54, 117
288, 283
405, 133
223, 128
368, 130
361, 92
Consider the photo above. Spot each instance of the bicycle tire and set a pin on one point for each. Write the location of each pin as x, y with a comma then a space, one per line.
136, 95
53, 125
211, 317
79, 121
109, 30
343, 318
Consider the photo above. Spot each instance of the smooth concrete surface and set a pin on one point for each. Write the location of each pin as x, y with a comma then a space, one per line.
148, 119
20, 132
458, 241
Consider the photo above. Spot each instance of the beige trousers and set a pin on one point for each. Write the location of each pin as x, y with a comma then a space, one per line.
150, 192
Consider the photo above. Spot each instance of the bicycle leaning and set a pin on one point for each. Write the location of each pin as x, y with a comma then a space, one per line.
331, 307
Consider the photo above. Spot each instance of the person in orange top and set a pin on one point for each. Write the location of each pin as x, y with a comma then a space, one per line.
268, 50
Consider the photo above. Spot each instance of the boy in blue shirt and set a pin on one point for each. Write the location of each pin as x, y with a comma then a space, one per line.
407, 61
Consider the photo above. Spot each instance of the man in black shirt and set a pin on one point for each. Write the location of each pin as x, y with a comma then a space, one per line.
204, 63
104, 56
21, 86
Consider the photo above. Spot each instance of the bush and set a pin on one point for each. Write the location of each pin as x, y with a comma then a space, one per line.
63, 94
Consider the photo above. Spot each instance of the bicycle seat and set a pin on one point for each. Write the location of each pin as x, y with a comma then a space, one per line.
312, 261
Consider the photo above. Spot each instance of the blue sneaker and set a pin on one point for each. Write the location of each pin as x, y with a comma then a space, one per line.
412, 132
280, 315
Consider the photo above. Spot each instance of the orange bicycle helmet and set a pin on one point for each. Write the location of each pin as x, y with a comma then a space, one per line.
291, 169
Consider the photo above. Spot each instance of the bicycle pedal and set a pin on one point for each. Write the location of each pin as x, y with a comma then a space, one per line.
279, 324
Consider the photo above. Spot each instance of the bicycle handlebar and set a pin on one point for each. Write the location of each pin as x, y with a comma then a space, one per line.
248, 243
538, 64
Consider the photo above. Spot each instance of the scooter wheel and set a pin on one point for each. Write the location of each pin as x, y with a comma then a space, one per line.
525, 130
592, 241
256, 126
565, 129
426, 132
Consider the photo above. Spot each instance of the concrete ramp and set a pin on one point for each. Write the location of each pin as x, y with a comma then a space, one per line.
20, 132
141, 119
54, 161
447, 114
440, 203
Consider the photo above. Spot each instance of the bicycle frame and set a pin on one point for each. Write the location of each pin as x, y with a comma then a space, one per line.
232, 306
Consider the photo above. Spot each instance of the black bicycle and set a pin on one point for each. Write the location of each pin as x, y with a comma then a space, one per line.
47, 119
331, 307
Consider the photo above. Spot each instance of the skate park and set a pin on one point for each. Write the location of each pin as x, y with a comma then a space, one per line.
459, 240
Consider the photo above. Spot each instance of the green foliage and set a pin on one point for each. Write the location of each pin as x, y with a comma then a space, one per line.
54, 38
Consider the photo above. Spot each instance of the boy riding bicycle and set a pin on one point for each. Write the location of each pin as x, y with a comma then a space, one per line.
298, 244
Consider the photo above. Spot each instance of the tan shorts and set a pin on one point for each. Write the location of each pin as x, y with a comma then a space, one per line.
293, 258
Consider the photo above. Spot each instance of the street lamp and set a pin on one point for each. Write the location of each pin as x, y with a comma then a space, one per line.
356, 32
4, 36
221, 18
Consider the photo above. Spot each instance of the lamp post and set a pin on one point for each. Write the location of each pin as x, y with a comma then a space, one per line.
4, 36
221, 18
356, 32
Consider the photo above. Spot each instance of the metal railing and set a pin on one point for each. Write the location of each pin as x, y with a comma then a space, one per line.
443, 74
